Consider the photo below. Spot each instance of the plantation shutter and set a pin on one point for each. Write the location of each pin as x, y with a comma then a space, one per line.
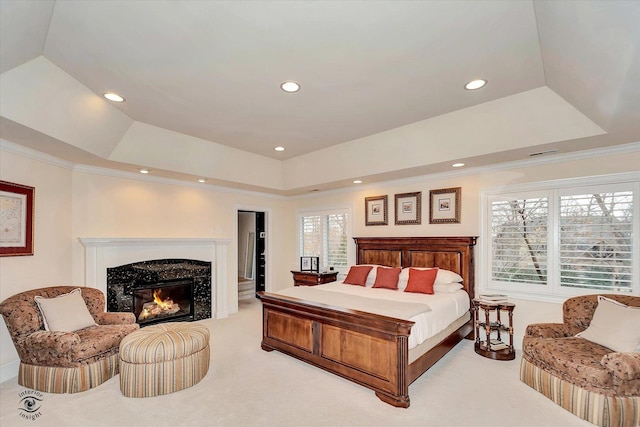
596, 240
325, 234
311, 235
519, 240
336, 240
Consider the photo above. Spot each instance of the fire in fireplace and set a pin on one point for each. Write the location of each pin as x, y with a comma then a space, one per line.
184, 282
159, 302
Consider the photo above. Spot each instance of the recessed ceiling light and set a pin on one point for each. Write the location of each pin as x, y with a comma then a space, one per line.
113, 97
143, 170
357, 181
290, 86
279, 148
457, 165
475, 84
202, 180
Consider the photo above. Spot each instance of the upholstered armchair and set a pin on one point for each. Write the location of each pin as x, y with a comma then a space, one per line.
65, 362
587, 378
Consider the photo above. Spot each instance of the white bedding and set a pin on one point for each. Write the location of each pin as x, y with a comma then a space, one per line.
445, 307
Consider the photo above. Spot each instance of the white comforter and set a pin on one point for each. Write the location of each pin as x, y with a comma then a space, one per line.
439, 311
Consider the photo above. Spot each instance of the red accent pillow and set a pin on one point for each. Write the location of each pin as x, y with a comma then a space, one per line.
358, 275
421, 281
387, 278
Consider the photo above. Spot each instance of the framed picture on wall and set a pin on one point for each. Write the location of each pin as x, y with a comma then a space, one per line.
16, 217
375, 210
445, 206
408, 208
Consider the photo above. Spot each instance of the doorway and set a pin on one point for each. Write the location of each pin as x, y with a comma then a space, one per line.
251, 254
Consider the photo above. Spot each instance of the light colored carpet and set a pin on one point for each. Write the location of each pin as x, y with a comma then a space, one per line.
247, 386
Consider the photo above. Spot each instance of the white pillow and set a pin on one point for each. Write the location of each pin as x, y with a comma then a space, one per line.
443, 277
614, 325
65, 313
447, 288
448, 276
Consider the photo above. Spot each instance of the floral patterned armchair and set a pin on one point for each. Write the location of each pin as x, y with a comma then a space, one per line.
590, 380
65, 362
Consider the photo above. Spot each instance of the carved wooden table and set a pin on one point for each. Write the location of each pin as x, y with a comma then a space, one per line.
492, 346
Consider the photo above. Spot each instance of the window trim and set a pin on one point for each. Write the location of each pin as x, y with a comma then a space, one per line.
553, 292
322, 211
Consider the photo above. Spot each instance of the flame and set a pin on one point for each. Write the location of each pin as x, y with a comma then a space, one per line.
167, 303
161, 306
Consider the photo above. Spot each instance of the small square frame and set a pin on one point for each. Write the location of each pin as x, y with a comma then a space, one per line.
16, 209
445, 206
376, 210
310, 263
408, 208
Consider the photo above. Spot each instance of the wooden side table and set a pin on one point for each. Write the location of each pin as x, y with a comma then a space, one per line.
492, 346
312, 278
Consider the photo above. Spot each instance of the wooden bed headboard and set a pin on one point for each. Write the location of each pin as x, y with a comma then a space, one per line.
450, 253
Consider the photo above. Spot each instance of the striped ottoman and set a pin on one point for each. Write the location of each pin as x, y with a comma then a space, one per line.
163, 358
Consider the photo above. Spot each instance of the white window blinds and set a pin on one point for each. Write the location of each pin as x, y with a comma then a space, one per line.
325, 234
336, 240
519, 240
562, 238
311, 235
596, 240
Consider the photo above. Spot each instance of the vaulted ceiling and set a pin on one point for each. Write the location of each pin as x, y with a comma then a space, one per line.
381, 93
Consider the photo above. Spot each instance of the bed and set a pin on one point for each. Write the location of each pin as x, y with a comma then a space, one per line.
366, 348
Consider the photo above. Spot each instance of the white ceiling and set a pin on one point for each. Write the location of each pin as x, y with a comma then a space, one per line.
210, 72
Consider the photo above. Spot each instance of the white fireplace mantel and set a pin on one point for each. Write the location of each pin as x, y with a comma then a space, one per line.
102, 253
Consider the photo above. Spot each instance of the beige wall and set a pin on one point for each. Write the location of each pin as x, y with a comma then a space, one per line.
108, 206
72, 204
51, 263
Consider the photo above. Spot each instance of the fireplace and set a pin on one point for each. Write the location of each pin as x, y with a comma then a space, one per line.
162, 290
165, 301
107, 253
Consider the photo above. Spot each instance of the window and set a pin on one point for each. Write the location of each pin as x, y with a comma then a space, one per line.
519, 235
596, 240
326, 234
564, 239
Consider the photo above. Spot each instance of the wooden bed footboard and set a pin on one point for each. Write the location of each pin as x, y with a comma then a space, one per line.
366, 348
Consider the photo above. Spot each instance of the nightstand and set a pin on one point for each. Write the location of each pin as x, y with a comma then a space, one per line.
312, 278
493, 348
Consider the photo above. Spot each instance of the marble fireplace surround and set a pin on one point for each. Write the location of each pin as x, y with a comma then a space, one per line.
102, 253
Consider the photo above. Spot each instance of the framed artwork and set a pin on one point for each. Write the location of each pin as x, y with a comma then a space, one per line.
445, 206
305, 263
408, 208
16, 219
309, 263
376, 210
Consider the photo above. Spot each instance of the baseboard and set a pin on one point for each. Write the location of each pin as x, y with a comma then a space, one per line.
9, 370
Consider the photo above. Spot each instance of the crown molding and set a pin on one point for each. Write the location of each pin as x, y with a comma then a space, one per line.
557, 158
171, 181
34, 154
478, 170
